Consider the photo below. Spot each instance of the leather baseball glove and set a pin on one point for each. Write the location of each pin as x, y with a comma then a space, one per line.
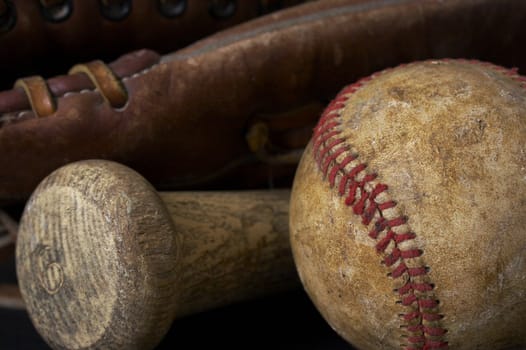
235, 109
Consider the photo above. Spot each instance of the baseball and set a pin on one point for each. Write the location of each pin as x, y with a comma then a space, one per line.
408, 210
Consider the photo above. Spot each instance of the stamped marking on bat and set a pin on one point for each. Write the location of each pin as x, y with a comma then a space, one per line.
50, 272
52, 278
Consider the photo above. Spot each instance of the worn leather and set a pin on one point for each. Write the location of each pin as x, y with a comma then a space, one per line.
46, 36
187, 115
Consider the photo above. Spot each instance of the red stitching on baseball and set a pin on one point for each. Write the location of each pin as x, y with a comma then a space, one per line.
363, 202
325, 137
329, 126
331, 145
362, 197
333, 157
338, 168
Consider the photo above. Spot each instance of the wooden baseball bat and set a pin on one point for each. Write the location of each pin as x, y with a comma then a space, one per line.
105, 261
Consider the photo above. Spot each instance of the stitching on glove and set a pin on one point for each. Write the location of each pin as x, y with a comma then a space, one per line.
110, 79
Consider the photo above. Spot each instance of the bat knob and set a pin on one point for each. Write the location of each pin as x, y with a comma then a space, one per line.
96, 259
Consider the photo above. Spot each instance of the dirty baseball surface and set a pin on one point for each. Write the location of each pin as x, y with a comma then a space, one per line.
408, 209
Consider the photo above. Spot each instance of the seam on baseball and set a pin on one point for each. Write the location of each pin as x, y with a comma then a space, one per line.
368, 198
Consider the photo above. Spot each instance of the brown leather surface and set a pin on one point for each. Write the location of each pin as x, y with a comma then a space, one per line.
187, 114
46, 37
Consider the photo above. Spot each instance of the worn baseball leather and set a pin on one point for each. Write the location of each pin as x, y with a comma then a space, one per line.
47, 36
182, 119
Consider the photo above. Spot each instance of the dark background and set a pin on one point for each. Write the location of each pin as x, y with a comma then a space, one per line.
284, 321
